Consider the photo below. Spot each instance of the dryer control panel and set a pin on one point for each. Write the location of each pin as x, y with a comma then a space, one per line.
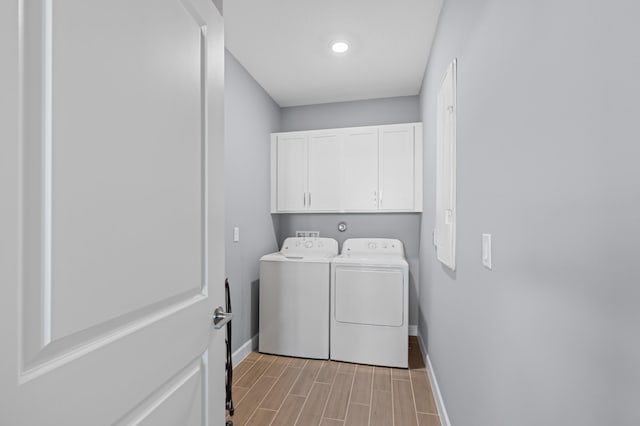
383, 246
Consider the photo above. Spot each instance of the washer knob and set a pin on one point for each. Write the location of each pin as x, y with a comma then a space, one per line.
308, 244
372, 246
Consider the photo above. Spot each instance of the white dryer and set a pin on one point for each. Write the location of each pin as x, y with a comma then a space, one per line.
294, 298
369, 303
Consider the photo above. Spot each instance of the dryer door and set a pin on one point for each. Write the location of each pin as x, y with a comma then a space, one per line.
369, 295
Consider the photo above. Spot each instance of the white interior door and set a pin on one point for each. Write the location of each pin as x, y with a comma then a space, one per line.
112, 245
360, 168
324, 172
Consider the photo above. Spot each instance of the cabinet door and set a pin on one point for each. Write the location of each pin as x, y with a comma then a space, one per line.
324, 192
360, 170
292, 173
397, 167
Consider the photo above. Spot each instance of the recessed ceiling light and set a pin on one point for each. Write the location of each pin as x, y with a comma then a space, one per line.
339, 47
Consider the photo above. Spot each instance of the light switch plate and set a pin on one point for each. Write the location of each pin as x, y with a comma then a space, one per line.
486, 250
236, 234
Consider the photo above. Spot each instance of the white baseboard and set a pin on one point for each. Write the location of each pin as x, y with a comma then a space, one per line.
442, 410
413, 330
244, 350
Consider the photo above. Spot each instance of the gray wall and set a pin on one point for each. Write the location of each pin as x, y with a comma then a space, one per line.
548, 149
250, 115
371, 112
404, 226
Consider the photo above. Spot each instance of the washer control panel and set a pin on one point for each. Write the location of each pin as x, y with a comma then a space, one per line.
316, 247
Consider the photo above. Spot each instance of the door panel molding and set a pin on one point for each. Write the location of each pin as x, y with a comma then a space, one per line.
60, 352
193, 378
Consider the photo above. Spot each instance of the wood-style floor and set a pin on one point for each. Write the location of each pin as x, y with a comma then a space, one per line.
275, 390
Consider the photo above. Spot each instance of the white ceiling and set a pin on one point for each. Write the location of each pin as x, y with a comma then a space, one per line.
285, 46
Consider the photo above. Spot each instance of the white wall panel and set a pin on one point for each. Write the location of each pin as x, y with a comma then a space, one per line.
445, 231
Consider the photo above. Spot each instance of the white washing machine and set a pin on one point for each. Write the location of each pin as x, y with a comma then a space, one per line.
294, 298
370, 303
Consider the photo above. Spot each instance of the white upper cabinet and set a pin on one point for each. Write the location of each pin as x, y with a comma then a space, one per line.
400, 153
292, 173
308, 172
360, 169
323, 194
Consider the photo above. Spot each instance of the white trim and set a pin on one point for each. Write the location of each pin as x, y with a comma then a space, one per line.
446, 170
423, 348
413, 330
442, 410
47, 174
244, 350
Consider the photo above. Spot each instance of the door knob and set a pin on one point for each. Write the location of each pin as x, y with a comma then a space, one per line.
220, 317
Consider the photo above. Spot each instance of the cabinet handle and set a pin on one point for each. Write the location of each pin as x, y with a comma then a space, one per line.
380, 196
309, 199
304, 199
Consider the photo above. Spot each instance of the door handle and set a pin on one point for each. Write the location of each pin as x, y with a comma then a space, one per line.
220, 317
